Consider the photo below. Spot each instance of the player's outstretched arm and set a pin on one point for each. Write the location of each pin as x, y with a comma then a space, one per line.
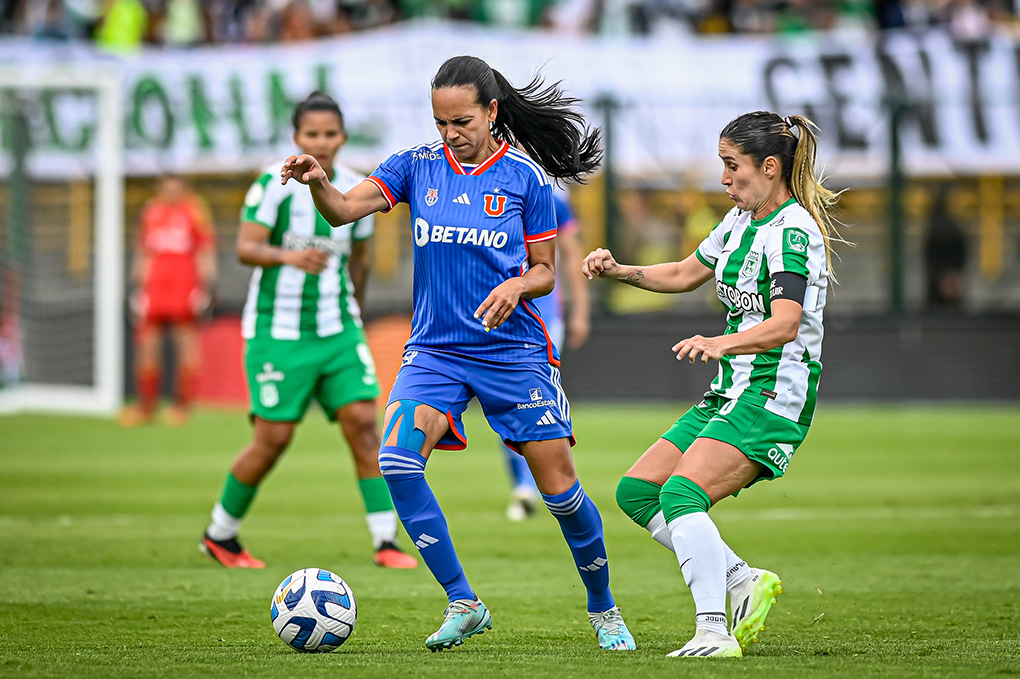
336, 207
683, 276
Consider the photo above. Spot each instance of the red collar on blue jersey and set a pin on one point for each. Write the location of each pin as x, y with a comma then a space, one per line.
478, 169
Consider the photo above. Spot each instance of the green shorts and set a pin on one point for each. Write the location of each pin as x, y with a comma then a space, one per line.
285, 375
764, 437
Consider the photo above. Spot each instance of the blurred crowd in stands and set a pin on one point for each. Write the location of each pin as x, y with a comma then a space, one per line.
126, 25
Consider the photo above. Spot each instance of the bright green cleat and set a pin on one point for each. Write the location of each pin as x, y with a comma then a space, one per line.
707, 644
612, 631
464, 618
751, 604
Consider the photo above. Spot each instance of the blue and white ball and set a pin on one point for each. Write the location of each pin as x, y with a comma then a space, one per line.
313, 610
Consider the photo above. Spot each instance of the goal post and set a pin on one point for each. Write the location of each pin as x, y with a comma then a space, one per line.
62, 252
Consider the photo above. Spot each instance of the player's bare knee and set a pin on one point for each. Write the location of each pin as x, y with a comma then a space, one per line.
405, 424
272, 438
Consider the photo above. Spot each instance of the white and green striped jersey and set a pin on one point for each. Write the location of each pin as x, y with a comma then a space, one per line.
745, 253
284, 302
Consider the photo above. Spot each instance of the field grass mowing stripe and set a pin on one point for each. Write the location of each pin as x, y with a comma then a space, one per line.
909, 513
867, 513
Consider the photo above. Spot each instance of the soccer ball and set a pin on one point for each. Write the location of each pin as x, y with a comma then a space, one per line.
313, 610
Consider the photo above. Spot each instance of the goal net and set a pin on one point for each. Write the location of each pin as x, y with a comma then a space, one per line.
61, 239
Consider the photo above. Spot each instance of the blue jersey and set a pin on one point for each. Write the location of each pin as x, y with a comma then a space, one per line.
472, 227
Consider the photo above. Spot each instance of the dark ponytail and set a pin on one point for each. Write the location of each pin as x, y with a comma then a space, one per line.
540, 119
316, 101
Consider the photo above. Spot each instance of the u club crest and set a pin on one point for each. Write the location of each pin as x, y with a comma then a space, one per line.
431, 196
494, 205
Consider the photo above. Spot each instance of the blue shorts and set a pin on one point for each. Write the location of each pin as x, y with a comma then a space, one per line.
522, 401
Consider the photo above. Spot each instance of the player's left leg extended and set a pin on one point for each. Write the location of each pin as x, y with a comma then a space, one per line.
411, 430
553, 468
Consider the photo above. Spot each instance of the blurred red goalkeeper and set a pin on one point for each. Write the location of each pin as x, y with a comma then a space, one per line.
173, 272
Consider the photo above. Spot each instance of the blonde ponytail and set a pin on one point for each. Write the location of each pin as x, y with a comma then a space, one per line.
806, 186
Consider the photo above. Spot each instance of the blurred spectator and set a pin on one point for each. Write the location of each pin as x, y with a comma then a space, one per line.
513, 13
229, 19
572, 16
181, 23
796, 16
123, 26
297, 22
752, 16
364, 14
54, 24
10, 15
945, 255
969, 20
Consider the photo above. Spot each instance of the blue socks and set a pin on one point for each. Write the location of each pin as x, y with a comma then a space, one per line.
582, 528
418, 509
416, 505
520, 473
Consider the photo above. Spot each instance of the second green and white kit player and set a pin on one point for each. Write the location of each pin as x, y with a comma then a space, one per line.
304, 338
770, 260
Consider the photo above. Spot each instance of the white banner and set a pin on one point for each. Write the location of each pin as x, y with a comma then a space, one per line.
228, 108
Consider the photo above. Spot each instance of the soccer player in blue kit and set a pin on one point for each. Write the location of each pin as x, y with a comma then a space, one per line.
484, 247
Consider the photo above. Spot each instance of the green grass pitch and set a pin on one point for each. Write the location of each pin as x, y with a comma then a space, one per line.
896, 534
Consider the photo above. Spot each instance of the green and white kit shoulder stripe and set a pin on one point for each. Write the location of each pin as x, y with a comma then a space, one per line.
284, 302
745, 253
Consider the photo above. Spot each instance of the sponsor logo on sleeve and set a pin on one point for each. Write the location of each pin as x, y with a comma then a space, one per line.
796, 240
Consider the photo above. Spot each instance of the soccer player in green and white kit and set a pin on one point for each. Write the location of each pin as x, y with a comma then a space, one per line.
305, 341
770, 258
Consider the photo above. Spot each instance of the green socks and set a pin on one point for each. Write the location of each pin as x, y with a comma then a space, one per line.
682, 496
237, 497
376, 495
638, 498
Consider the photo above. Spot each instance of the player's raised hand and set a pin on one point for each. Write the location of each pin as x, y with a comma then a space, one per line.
601, 263
500, 303
304, 168
706, 347
308, 260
